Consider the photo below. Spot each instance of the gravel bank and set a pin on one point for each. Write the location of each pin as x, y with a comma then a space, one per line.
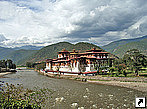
5, 73
137, 83
140, 86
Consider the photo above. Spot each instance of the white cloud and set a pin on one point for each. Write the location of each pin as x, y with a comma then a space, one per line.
49, 21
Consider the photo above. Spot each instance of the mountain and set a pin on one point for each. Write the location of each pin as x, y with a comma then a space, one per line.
21, 56
29, 47
18, 55
51, 50
15, 55
120, 47
4, 52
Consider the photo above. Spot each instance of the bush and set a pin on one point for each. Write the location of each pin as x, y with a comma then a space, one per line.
16, 97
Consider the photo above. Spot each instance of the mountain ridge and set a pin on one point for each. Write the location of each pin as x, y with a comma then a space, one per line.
121, 46
50, 51
118, 48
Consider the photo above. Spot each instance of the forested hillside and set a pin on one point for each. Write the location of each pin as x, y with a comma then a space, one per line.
51, 50
120, 47
15, 55
4, 52
21, 56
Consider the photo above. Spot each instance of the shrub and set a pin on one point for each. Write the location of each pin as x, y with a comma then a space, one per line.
16, 97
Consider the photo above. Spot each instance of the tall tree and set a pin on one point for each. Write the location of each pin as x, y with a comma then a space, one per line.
135, 60
13, 66
10, 64
4, 64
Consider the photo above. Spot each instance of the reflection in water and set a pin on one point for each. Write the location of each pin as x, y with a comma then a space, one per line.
75, 94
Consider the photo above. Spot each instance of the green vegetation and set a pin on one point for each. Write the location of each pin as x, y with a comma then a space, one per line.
40, 66
132, 62
37, 66
18, 56
6, 65
4, 52
51, 50
16, 97
119, 48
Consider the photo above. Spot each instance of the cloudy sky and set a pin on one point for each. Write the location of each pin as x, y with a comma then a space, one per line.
43, 22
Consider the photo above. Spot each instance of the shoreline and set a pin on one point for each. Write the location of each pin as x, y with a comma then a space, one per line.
5, 73
136, 83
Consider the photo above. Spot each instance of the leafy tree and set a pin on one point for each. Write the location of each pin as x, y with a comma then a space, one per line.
40, 66
4, 64
9, 62
16, 97
0, 63
13, 66
29, 64
121, 69
135, 60
111, 70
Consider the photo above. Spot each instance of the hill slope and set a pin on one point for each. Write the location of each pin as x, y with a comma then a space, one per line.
18, 55
29, 47
4, 52
120, 47
15, 55
51, 50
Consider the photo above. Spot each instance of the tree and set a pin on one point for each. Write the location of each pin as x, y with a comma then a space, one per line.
3, 64
134, 60
111, 70
29, 64
121, 69
13, 66
0, 63
9, 62
40, 66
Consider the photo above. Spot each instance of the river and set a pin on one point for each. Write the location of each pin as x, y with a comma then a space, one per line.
82, 95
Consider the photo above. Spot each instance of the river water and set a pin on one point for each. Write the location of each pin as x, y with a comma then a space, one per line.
76, 94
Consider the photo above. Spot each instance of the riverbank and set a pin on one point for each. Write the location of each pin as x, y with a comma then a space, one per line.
137, 83
5, 73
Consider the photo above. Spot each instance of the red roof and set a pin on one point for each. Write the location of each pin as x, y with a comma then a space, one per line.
97, 53
91, 57
55, 61
102, 58
89, 72
75, 58
63, 60
88, 57
83, 53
